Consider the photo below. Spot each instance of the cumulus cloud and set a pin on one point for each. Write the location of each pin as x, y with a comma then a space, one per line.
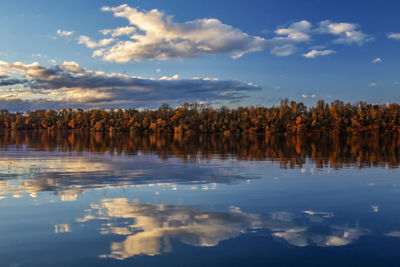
70, 85
119, 31
308, 96
348, 33
290, 39
315, 53
93, 44
63, 33
377, 60
372, 85
284, 44
296, 32
154, 35
284, 50
395, 36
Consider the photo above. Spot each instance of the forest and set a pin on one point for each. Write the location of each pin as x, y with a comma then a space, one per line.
289, 117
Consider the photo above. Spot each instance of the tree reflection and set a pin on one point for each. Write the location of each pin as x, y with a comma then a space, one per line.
290, 151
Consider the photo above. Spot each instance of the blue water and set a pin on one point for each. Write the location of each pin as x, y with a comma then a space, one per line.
155, 207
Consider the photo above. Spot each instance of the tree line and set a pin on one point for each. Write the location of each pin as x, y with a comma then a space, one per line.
289, 118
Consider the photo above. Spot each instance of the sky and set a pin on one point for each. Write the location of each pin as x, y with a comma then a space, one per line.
141, 54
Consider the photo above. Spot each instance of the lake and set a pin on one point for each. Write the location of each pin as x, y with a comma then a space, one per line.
94, 199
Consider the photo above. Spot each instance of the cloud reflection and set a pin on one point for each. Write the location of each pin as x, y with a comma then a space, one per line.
153, 225
62, 228
149, 228
393, 234
335, 236
313, 228
69, 176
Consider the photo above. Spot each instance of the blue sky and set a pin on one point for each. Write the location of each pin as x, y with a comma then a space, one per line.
144, 53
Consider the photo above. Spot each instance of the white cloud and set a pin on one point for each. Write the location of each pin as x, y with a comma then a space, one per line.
288, 40
316, 53
62, 33
372, 85
337, 28
297, 32
377, 60
119, 31
166, 78
348, 32
93, 44
308, 96
153, 35
393, 35
284, 50
285, 43
156, 36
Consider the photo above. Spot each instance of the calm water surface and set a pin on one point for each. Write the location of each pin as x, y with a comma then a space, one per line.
81, 199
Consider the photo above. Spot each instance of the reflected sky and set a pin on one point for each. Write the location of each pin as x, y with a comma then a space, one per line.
31, 172
315, 230
148, 228
83, 200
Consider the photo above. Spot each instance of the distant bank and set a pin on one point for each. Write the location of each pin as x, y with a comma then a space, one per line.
290, 117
